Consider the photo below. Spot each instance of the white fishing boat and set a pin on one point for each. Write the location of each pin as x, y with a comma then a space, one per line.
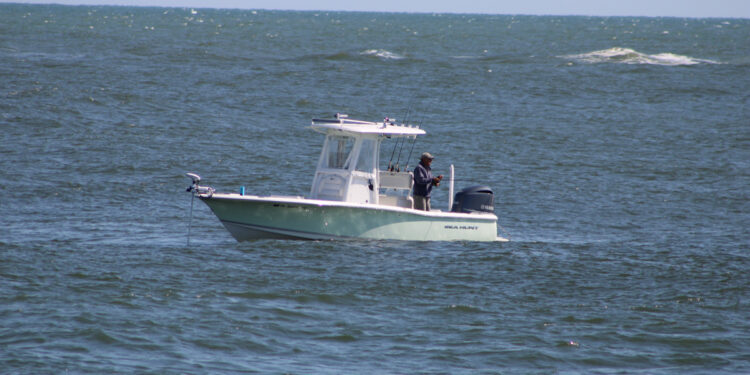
352, 198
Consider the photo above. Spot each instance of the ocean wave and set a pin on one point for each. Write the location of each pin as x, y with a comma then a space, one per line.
381, 53
620, 55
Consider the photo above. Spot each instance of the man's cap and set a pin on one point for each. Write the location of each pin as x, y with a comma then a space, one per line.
427, 155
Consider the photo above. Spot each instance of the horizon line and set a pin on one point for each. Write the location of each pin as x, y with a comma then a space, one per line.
368, 11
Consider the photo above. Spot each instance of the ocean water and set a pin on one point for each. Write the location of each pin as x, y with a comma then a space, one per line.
618, 149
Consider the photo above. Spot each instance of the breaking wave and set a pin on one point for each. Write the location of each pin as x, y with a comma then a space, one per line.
629, 56
381, 53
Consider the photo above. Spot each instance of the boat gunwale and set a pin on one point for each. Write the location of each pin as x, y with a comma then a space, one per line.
325, 203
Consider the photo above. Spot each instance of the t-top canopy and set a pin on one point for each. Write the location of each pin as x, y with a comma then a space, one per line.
387, 127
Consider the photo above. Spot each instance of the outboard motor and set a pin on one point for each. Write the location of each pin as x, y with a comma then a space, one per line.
474, 199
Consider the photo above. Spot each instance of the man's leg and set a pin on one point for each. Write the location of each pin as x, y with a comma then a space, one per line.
420, 203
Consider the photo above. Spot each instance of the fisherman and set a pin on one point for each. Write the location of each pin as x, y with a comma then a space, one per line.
423, 182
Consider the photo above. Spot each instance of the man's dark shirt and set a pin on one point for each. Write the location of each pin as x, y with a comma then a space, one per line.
422, 180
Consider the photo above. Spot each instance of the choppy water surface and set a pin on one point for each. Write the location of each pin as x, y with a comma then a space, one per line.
618, 149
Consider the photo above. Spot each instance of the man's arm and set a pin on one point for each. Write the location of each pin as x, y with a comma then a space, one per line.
421, 176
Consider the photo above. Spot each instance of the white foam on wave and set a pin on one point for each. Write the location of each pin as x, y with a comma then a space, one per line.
466, 57
381, 53
630, 56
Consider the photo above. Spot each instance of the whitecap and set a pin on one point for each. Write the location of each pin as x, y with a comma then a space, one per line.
672, 59
381, 53
630, 56
466, 57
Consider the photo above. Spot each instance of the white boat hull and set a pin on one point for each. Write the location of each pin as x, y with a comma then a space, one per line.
253, 217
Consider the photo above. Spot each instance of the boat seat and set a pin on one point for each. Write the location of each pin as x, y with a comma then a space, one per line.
395, 189
396, 180
329, 187
396, 201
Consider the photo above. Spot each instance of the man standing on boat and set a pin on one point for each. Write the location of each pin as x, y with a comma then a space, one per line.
423, 182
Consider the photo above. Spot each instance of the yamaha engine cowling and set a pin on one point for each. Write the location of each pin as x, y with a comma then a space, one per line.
474, 199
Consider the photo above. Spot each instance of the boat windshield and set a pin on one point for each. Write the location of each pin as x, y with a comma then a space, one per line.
339, 150
366, 161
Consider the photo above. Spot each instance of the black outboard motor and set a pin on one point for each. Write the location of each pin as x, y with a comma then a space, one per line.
474, 199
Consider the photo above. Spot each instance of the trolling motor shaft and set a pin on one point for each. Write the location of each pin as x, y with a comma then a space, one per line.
194, 189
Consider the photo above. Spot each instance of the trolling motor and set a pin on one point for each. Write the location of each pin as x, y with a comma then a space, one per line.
196, 179
194, 188
197, 189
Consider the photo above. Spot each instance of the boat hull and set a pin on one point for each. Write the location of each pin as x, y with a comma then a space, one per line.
252, 217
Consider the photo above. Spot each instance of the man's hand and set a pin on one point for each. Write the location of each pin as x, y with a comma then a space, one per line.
436, 180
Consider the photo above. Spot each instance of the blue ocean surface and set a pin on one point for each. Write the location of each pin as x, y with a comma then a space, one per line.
618, 149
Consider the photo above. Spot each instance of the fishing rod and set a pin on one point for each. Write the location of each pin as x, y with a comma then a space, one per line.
408, 110
457, 179
390, 166
399, 154
414, 142
406, 121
